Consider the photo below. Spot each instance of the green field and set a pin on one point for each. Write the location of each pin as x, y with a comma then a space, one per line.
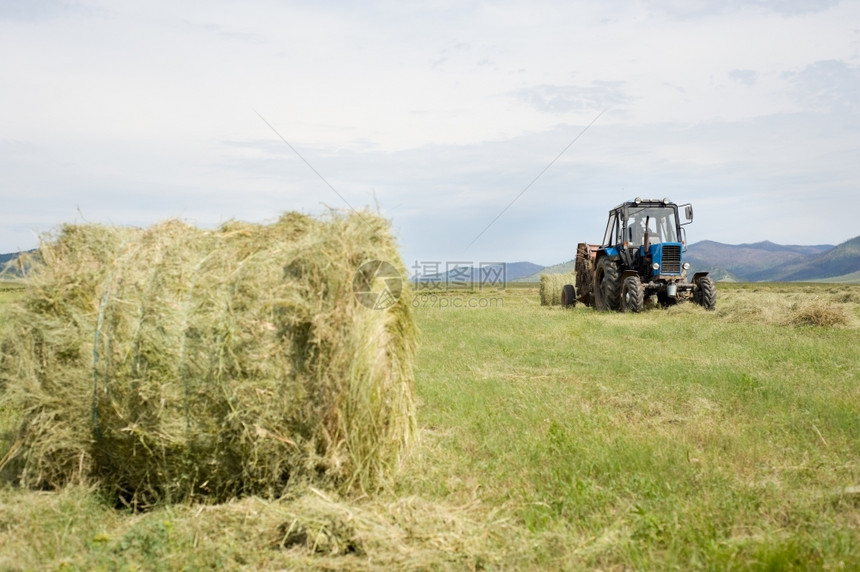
552, 439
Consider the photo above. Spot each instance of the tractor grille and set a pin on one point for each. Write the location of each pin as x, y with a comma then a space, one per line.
671, 263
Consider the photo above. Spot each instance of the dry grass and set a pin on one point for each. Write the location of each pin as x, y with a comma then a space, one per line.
407, 532
174, 362
817, 313
789, 305
308, 529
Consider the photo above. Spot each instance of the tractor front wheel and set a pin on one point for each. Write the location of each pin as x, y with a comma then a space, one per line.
606, 286
705, 293
632, 295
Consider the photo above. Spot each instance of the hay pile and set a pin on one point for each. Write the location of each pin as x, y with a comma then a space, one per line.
409, 533
817, 313
786, 308
550, 287
175, 363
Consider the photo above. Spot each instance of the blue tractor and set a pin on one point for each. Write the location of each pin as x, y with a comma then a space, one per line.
642, 256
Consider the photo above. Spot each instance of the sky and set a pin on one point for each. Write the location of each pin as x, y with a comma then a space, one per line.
484, 131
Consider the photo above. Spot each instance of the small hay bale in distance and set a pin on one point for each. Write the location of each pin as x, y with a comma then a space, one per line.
174, 363
550, 287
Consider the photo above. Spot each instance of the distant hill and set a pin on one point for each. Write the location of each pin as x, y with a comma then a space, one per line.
562, 268
4, 258
518, 270
841, 260
7, 269
739, 262
769, 262
853, 278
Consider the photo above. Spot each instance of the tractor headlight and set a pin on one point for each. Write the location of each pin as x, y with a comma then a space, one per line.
655, 266
637, 200
686, 266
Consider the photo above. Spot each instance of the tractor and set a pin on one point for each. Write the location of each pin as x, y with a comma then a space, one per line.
641, 257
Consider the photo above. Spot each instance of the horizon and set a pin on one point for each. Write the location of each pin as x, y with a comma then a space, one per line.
543, 266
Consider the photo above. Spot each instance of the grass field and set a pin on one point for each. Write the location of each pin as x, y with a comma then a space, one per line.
552, 439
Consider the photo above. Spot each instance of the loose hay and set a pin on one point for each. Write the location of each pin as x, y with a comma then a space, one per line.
550, 287
409, 532
778, 309
817, 313
174, 363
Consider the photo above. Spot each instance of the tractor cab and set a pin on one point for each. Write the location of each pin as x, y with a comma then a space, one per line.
647, 236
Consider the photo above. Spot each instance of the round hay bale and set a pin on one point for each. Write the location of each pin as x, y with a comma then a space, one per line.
551, 285
172, 363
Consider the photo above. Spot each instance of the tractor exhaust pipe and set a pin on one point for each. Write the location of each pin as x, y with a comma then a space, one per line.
647, 240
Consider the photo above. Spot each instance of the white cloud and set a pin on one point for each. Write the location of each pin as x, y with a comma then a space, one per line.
130, 113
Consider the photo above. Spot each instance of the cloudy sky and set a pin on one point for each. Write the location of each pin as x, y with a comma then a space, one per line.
439, 114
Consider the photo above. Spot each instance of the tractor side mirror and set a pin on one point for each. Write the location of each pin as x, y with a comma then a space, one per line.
688, 213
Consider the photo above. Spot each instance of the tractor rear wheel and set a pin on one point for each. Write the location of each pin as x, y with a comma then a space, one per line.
705, 293
632, 295
607, 286
568, 296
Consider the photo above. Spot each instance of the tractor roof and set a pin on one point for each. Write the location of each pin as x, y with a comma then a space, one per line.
645, 202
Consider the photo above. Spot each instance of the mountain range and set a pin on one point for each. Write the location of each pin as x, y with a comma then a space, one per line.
769, 262
4, 258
